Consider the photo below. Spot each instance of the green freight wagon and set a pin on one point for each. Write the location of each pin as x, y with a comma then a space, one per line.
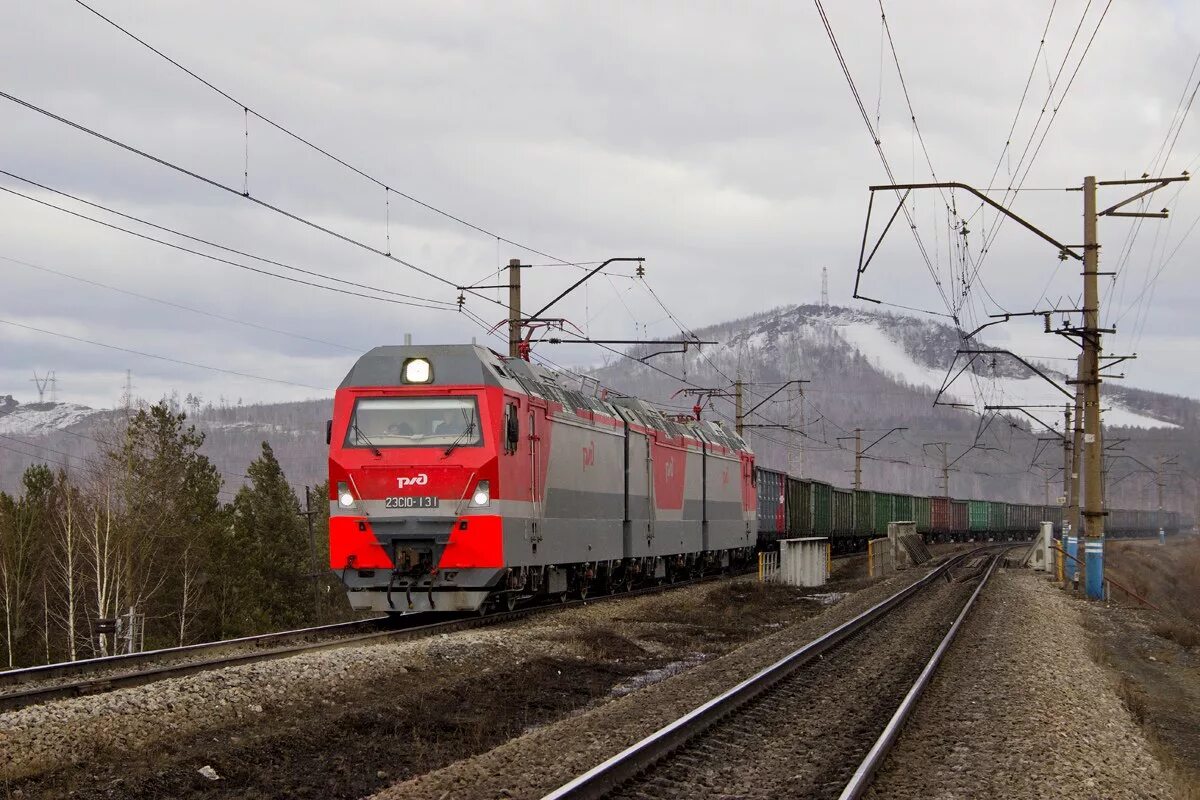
799, 507
902, 508
864, 511
997, 517
883, 512
923, 514
843, 512
822, 504
978, 512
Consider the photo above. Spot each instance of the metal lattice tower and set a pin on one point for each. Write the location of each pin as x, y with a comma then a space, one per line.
825, 287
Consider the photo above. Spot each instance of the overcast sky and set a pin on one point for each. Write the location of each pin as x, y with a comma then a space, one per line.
718, 140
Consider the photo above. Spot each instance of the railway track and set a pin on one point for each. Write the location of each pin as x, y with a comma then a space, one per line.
810, 725
33, 685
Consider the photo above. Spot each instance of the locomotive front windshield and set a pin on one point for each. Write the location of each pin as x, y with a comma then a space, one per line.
414, 422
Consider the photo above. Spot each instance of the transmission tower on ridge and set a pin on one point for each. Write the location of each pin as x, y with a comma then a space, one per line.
825, 287
41, 382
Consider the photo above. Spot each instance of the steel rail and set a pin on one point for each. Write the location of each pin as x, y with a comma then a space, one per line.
860, 782
15, 677
106, 682
627, 764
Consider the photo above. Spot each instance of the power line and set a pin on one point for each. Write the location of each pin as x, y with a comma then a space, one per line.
162, 358
208, 242
248, 111
172, 304
879, 149
220, 260
216, 184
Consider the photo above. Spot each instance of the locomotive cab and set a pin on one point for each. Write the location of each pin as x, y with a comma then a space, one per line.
414, 490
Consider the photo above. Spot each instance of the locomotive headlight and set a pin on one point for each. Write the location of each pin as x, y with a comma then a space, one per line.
345, 499
417, 370
482, 495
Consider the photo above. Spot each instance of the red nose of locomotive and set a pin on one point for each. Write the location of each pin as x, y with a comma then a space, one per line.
414, 522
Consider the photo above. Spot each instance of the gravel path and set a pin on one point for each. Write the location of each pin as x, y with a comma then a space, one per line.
545, 758
1019, 709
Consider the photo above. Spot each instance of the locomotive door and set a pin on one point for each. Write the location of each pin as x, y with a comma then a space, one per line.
639, 526
537, 477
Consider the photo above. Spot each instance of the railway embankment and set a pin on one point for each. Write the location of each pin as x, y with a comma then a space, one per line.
347, 722
1021, 709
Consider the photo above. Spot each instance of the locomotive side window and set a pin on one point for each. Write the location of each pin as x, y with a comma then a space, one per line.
512, 431
414, 422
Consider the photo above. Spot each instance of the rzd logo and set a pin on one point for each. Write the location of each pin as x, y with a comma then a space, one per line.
589, 455
415, 480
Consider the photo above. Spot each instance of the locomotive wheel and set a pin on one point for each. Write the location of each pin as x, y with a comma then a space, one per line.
583, 590
510, 601
562, 597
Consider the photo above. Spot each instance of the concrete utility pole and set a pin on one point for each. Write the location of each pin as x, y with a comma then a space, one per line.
945, 471
739, 422
1158, 479
858, 451
1066, 443
514, 308
1093, 457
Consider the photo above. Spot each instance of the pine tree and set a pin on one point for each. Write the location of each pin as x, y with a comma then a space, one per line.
269, 534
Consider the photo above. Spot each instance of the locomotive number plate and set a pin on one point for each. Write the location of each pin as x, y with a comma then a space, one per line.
410, 502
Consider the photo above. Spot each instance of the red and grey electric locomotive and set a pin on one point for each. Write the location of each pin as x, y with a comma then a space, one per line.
464, 480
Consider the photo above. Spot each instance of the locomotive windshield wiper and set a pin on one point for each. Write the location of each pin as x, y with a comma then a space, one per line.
467, 431
363, 437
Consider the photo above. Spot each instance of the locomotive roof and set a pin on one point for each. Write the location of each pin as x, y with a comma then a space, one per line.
473, 365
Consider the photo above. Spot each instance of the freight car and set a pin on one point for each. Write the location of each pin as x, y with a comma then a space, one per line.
462, 480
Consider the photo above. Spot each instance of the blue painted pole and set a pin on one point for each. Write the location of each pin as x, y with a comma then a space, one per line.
1072, 566
1094, 556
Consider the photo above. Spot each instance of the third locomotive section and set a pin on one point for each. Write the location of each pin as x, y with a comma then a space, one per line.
792, 507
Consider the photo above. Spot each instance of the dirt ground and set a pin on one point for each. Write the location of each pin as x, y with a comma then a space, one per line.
464, 695
1153, 656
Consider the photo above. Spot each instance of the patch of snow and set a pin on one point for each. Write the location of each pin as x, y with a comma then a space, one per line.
891, 358
40, 418
653, 676
826, 598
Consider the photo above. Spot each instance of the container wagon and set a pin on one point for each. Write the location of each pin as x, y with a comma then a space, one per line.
799, 508
960, 522
822, 503
772, 508
864, 511
884, 503
843, 515
922, 515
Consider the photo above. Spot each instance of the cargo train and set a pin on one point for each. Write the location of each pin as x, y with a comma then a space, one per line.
462, 480
790, 507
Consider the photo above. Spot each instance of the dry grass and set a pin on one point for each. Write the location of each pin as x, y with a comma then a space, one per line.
1168, 576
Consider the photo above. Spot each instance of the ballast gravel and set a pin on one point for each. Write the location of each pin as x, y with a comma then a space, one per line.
77, 730
547, 757
1018, 709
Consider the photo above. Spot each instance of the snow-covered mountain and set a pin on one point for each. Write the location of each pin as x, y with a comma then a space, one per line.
35, 419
